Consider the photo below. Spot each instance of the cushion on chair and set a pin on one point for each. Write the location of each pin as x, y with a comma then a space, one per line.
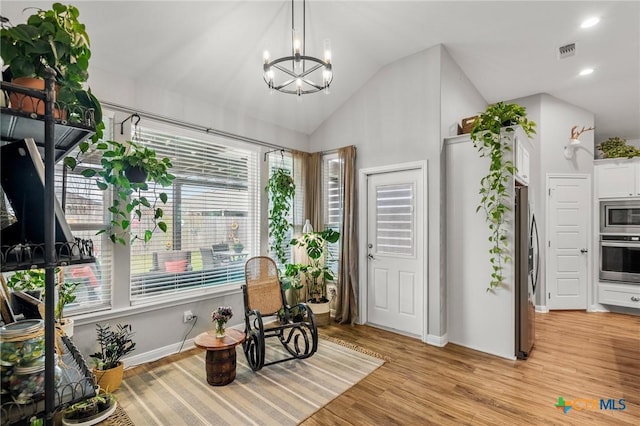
176, 266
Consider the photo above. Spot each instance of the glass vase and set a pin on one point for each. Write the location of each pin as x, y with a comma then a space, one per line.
220, 330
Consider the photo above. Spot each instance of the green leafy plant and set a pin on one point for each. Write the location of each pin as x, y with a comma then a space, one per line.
492, 137
53, 38
27, 280
89, 407
128, 202
114, 345
281, 190
66, 296
617, 148
316, 272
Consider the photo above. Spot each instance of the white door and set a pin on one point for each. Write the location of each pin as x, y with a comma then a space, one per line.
395, 228
569, 211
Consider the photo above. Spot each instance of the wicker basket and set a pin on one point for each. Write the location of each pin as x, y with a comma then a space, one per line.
467, 124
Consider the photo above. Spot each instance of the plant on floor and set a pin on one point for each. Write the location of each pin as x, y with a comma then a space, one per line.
129, 203
617, 148
316, 272
281, 189
114, 345
492, 137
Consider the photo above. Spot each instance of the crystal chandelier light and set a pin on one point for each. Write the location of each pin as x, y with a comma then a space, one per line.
299, 74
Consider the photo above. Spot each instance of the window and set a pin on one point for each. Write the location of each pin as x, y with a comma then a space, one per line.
211, 215
395, 221
85, 211
332, 200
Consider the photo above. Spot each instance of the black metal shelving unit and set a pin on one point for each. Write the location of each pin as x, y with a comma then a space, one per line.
55, 137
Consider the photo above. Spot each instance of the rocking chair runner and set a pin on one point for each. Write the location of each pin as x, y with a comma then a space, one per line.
295, 326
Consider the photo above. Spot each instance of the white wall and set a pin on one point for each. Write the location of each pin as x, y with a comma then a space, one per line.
401, 115
109, 87
554, 119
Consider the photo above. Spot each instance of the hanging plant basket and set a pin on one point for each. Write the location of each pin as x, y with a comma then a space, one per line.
136, 174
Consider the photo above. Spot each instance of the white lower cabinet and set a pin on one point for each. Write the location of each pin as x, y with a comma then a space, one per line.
619, 294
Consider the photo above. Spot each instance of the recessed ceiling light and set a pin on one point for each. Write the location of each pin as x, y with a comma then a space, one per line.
590, 22
586, 71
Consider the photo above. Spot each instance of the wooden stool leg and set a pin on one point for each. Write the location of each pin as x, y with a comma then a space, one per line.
221, 367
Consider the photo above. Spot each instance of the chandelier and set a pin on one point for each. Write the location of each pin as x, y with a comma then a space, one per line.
299, 74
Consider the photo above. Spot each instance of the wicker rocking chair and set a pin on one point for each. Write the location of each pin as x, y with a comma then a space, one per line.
264, 297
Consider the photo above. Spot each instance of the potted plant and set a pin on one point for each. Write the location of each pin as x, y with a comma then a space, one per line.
30, 281
117, 162
66, 296
90, 411
616, 147
491, 136
281, 190
114, 345
316, 273
53, 38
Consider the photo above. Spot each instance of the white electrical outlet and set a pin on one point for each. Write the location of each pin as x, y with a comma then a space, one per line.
187, 316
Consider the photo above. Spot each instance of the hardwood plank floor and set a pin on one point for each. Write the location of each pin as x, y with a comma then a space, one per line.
577, 355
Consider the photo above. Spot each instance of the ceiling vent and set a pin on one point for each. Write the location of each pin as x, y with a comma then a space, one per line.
566, 51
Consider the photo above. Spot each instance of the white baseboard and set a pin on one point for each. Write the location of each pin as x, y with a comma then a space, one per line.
439, 341
542, 309
597, 308
158, 353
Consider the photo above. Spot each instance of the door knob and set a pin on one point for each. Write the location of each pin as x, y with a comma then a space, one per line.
370, 256
584, 250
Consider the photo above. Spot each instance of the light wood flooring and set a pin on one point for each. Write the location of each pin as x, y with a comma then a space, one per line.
577, 355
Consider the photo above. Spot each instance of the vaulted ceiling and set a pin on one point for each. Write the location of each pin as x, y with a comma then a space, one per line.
212, 50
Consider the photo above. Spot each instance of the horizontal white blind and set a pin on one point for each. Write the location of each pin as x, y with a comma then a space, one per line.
86, 212
333, 206
395, 219
211, 216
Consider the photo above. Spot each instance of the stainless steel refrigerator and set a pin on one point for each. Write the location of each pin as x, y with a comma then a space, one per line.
526, 270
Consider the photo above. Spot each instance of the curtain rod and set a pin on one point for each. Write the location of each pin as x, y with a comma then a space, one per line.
205, 129
193, 126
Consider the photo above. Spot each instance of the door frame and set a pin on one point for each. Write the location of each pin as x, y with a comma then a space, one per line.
589, 228
363, 179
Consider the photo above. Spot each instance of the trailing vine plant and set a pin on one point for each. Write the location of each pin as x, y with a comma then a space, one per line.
281, 190
494, 189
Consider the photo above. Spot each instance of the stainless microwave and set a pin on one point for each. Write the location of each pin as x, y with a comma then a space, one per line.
620, 217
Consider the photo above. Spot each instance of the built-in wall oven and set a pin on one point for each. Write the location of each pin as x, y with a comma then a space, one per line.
620, 217
620, 258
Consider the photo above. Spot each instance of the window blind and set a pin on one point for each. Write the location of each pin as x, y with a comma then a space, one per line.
86, 212
332, 199
395, 219
211, 215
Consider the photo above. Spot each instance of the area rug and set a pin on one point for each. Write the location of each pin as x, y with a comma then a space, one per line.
282, 394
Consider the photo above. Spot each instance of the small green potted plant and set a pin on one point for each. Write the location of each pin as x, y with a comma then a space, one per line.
117, 172
616, 147
30, 281
316, 273
114, 345
53, 38
66, 296
90, 411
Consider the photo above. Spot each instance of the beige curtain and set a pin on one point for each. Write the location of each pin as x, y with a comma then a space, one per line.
313, 191
347, 302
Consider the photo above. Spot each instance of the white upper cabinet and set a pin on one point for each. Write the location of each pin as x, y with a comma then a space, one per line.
523, 171
618, 178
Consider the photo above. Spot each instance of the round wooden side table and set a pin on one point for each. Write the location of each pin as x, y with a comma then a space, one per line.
221, 355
